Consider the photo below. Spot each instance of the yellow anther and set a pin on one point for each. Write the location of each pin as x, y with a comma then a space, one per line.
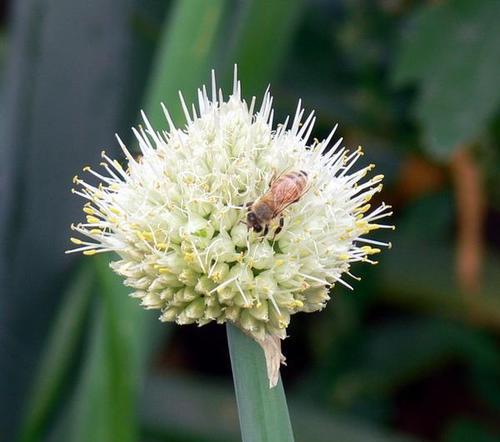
88, 210
216, 277
161, 246
344, 256
363, 209
89, 252
96, 231
115, 210
296, 303
76, 240
369, 250
92, 219
164, 270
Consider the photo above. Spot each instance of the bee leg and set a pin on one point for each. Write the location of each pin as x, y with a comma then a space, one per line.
266, 230
247, 205
279, 228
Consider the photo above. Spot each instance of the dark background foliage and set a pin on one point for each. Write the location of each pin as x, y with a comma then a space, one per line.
411, 354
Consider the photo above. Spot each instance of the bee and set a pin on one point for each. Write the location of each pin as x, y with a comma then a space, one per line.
283, 190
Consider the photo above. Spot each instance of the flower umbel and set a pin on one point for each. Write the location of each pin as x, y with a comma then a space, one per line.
176, 217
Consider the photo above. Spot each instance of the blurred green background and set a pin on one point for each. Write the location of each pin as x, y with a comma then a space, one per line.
410, 355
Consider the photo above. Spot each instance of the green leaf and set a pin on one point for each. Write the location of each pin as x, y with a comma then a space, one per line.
58, 355
263, 411
105, 404
184, 56
267, 29
453, 52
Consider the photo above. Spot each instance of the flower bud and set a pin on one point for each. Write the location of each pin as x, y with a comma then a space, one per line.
151, 300
260, 311
172, 263
285, 268
170, 314
243, 273
188, 277
265, 284
225, 220
213, 312
260, 255
225, 295
315, 299
196, 308
222, 249
219, 272
204, 285
185, 295
239, 235
232, 313
248, 322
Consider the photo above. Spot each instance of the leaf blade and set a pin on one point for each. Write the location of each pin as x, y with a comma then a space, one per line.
184, 56
56, 360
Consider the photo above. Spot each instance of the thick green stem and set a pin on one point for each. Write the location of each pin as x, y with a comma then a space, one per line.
263, 411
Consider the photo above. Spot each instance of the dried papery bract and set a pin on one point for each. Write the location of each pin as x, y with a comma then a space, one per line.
175, 216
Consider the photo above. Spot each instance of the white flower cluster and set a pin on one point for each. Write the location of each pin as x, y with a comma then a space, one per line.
176, 217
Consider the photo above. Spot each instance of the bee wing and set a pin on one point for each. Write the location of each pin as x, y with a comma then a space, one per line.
283, 197
275, 177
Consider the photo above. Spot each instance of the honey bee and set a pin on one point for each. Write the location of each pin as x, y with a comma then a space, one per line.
283, 190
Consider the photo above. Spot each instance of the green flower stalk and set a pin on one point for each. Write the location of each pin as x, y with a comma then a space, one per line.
177, 216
